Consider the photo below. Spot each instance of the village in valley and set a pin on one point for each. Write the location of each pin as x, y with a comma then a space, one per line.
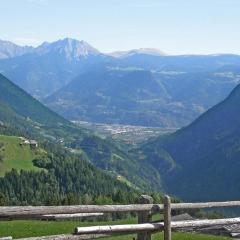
129, 134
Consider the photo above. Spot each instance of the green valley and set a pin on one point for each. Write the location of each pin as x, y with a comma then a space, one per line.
29, 118
54, 172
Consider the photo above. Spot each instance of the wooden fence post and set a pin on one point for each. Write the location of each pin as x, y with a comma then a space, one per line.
144, 217
167, 218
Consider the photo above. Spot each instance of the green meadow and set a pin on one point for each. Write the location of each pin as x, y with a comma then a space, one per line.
17, 156
23, 228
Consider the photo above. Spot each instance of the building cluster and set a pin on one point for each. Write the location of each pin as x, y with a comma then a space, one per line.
30, 142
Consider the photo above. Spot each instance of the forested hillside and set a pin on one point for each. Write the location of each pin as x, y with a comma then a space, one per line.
115, 158
201, 161
65, 179
50, 175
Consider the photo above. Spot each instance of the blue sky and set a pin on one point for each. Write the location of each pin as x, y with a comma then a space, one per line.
173, 26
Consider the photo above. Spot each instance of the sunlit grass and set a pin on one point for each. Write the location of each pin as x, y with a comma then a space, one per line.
24, 228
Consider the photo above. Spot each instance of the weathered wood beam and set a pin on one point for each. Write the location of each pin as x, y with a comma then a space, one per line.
70, 216
120, 229
152, 227
66, 237
205, 205
235, 235
204, 223
36, 211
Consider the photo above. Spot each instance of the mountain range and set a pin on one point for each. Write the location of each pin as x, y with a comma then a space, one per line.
140, 97
144, 51
50, 66
164, 91
11, 50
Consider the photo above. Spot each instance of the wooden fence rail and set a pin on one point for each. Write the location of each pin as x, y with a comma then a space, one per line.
36, 211
145, 210
67, 237
70, 216
153, 227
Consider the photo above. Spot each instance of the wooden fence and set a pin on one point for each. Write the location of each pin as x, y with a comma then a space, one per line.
145, 209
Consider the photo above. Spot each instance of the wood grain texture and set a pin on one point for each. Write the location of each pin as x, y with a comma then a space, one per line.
66, 237
153, 227
36, 211
167, 218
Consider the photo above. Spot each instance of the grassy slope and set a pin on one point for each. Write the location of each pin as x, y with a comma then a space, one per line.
22, 228
16, 156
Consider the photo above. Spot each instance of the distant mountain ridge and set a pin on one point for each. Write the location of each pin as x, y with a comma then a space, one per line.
10, 50
143, 51
71, 48
50, 66
190, 84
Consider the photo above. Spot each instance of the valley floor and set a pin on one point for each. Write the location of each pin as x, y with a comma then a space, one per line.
22, 228
127, 133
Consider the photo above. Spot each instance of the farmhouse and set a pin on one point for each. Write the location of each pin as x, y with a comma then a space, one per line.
32, 143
